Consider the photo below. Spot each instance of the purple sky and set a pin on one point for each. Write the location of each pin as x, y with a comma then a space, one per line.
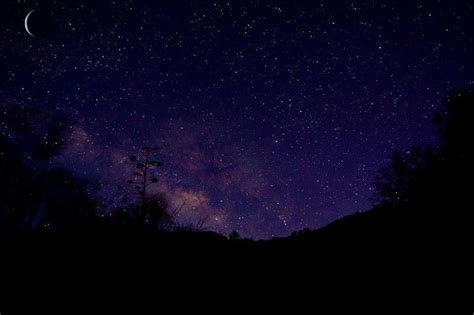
272, 115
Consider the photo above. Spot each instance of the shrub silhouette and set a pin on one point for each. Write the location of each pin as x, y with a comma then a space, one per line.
151, 214
234, 235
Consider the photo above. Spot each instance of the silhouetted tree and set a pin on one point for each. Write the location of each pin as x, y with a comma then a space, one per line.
151, 210
455, 126
143, 172
396, 183
432, 180
35, 195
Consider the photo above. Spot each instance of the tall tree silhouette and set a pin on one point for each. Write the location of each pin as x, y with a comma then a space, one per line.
151, 209
432, 182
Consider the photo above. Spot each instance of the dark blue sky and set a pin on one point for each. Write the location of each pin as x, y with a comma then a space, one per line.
272, 115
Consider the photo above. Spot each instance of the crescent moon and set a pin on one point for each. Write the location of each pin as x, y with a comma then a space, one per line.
26, 23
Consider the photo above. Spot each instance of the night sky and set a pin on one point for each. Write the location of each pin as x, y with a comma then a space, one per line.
272, 116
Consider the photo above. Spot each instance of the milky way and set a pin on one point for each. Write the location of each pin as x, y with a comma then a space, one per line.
272, 116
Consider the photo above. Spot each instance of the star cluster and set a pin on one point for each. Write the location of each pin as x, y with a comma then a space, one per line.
272, 115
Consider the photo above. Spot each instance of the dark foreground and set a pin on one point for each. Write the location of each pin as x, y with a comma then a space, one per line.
374, 255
